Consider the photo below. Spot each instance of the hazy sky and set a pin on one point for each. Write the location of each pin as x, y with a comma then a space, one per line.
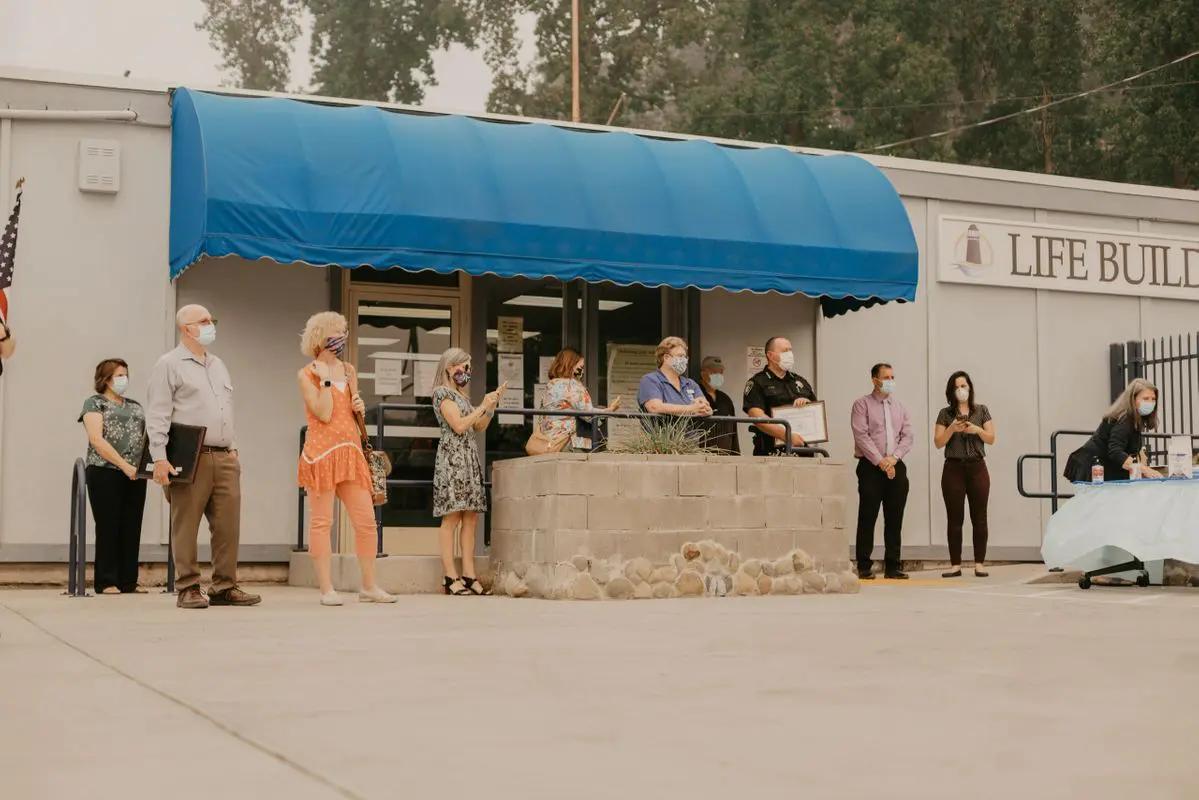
157, 40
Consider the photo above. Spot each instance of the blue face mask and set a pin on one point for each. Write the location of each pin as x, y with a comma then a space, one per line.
120, 384
207, 335
887, 387
1146, 408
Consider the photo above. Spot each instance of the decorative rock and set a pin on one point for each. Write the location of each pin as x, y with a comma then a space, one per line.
717, 585
678, 562
584, 587
581, 563
620, 588
744, 585
537, 582
691, 551
752, 568
642, 591
689, 584
768, 569
664, 575
801, 562
832, 583
850, 583
661, 591
813, 582
733, 562
638, 570
520, 568
602, 572
511, 582
520, 591
764, 584
707, 550
560, 592
696, 566
793, 584
498, 589
783, 566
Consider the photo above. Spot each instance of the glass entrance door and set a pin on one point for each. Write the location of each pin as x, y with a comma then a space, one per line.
398, 338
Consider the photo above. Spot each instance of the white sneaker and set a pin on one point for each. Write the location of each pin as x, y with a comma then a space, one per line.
376, 595
331, 599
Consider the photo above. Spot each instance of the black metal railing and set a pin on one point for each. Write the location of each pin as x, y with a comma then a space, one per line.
77, 536
1054, 495
427, 483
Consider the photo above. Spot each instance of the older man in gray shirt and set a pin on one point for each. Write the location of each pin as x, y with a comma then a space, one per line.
191, 386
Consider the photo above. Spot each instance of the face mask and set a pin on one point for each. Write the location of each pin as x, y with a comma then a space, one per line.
888, 386
336, 345
119, 384
207, 335
679, 365
462, 378
963, 395
1145, 409
716, 380
579, 374
787, 361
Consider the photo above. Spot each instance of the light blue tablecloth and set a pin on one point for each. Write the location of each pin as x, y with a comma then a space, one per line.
1110, 523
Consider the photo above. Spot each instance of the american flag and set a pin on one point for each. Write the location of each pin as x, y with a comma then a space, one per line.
8, 253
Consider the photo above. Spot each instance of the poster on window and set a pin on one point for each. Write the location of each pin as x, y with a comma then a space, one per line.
627, 365
389, 376
511, 334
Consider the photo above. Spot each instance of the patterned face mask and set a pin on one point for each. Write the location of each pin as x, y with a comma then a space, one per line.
462, 378
336, 345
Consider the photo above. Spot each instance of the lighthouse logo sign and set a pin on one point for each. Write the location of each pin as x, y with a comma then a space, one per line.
972, 253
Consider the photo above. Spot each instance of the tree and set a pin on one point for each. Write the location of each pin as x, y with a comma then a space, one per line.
254, 39
381, 49
1149, 126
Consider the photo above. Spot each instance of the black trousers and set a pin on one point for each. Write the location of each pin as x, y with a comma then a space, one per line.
117, 506
875, 491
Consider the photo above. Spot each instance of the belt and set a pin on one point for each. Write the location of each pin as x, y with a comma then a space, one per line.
208, 449
970, 460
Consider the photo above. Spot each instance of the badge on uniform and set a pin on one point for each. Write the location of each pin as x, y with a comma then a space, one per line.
749, 387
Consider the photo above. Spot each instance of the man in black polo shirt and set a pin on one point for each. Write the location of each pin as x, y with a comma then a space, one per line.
774, 387
719, 435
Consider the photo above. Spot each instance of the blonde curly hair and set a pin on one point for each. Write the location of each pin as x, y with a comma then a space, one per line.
320, 327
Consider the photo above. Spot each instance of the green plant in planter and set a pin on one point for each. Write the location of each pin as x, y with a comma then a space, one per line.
665, 436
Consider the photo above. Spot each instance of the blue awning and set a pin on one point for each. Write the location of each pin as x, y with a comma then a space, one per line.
294, 181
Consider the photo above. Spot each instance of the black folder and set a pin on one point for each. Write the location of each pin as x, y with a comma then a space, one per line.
184, 443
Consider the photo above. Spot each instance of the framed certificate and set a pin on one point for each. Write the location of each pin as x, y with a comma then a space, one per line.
184, 443
810, 422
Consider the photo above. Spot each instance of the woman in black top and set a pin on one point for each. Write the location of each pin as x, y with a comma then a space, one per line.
1117, 442
964, 428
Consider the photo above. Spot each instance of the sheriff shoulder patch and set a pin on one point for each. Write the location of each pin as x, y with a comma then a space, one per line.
749, 387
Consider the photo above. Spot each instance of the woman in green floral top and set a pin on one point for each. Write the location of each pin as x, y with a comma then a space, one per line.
116, 432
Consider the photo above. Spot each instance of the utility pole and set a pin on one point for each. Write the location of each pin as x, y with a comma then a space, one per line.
575, 116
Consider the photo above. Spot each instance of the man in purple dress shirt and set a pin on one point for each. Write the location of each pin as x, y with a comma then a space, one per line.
882, 436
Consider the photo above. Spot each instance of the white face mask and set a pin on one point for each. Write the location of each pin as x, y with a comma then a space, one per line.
963, 394
206, 335
787, 361
888, 386
716, 379
119, 384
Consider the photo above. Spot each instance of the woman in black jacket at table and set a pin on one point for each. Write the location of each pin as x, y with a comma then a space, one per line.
1118, 440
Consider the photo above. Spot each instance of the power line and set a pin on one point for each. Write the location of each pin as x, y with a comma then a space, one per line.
1033, 109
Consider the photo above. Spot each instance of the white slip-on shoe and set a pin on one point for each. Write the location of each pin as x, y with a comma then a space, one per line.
376, 595
331, 599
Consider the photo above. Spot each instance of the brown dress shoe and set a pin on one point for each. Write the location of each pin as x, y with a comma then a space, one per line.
233, 597
191, 597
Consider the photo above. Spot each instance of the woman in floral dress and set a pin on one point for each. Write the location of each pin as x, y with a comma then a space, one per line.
458, 493
566, 392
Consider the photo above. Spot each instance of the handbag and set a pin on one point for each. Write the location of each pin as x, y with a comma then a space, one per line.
377, 461
540, 443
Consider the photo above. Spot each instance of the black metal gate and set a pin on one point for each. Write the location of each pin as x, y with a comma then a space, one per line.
1172, 364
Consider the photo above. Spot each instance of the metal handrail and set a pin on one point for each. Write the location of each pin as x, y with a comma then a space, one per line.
1053, 495
77, 535
380, 425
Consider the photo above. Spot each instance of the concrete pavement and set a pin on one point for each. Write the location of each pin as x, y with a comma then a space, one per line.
980, 689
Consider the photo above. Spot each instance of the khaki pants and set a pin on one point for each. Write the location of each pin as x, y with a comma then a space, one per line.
216, 495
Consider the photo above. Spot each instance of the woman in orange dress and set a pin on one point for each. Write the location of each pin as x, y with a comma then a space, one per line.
332, 463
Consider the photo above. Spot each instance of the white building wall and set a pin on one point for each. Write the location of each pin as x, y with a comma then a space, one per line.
90, 284
261, 308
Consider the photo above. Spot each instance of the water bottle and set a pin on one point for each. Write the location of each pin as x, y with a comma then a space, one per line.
1135, 473
1096, 472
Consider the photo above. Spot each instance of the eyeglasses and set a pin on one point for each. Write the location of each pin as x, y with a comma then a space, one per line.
205, 321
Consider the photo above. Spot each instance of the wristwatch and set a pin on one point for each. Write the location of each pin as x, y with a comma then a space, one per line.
327, 384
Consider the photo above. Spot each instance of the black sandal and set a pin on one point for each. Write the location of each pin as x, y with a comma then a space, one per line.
454, 586
473, 586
